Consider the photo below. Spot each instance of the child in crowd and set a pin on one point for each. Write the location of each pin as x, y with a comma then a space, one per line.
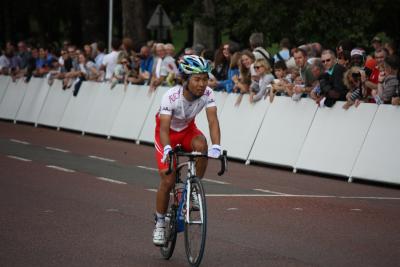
265, 78
353, 80
299, 82
120, 70
280, 85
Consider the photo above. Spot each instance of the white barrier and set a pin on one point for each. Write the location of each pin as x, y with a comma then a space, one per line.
54, 105
105, 108
379, 156
283, 131
201, 119
360, 142
4, 81
36, 93
132, 114
240, 125
147, 132
77, 111
335, 139
12, 99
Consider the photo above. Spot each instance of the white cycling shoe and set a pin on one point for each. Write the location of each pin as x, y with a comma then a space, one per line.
195, 202
159, 236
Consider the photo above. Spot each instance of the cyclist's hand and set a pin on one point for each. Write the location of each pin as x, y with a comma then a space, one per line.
167, 149
214, 151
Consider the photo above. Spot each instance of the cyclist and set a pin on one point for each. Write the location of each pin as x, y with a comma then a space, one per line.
175, 124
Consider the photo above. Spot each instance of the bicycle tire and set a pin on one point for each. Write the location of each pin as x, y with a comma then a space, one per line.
195, 233
168, 249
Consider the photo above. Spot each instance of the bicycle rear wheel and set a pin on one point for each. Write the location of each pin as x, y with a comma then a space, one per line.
168, 249
196, 227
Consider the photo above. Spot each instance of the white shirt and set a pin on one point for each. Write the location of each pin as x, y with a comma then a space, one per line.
183, 111
110, 61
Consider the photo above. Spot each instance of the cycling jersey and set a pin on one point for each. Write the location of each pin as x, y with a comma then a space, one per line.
183, 112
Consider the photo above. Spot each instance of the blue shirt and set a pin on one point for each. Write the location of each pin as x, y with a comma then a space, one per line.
146, 64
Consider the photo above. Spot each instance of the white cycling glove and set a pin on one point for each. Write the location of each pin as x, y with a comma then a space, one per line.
167, 149
214, 151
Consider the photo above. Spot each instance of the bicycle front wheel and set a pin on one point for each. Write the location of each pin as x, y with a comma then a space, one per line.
196, 226
168, 249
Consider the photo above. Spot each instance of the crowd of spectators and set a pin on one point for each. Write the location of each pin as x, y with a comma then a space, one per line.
347, 73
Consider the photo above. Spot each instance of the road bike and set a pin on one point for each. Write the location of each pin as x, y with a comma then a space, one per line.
187, 210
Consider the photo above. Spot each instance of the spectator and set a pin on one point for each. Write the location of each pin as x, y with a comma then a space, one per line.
331, 82
127, 45
317, 69
169, 65
159, 72
242, 84
388, 87
23, 54
391, 47
233, 74
344, 59
133, 70
357, 57
146, 63
120, 69
221, 62
263, 70
256, 44
110, 60
376, 43
300, 57
284, 53
353, 80
372, 81
282, 84
99, 55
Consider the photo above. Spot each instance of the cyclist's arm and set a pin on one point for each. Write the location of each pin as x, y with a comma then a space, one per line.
213, 125
165, 123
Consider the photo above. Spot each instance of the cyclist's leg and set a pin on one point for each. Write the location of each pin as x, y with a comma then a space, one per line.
194, 140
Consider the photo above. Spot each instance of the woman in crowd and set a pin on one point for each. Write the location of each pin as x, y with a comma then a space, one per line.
265, 78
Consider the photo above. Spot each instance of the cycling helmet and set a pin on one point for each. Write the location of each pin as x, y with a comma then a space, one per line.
193, 64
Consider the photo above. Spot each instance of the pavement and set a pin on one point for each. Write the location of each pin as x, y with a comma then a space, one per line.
73, 200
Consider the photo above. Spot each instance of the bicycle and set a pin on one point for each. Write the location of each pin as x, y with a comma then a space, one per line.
185, 213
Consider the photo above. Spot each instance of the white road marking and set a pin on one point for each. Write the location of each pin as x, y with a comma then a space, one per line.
19, 141
48, 211
57, 149
147, 168
112, 210
355, 209
152, 190
269, 191
59, 168
299, 209
101, 158
110, 180
19, 158
301, 196
229, 209
214, 181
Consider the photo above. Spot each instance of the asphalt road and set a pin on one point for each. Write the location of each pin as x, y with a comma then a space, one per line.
72, 200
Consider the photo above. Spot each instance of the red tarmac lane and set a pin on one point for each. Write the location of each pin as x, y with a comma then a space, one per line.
57, 217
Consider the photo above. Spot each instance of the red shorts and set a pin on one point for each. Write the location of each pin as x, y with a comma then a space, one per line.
183, 138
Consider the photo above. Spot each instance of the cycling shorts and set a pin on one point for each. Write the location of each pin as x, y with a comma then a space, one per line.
183, 138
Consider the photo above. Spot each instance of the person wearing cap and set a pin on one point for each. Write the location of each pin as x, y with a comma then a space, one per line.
357, 56
388, 86
372, 82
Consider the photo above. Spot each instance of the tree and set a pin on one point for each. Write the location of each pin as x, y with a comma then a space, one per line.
134, 20
204, 31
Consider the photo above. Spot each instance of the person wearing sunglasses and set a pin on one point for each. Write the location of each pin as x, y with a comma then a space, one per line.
265, 78
331, 81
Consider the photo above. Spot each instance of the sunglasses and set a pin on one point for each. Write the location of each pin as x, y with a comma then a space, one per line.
326, 60
257, 67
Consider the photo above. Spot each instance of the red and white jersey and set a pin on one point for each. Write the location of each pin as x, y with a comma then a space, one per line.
183, 111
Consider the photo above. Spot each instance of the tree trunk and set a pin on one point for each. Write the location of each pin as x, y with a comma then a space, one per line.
134, 20
204, 31
94, 20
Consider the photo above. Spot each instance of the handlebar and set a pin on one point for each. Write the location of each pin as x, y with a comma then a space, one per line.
178, 152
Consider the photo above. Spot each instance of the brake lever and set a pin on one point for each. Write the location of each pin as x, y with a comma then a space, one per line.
224, 163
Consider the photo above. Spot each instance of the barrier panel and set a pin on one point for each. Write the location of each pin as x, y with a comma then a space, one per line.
105, 108
77, 111
201, 118
132, 114
379, 159
12, 99
240, 125
34, 98
335, 139
54, 105
4, 81
147, 132
283, 131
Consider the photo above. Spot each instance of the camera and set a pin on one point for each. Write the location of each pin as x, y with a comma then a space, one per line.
356, 75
